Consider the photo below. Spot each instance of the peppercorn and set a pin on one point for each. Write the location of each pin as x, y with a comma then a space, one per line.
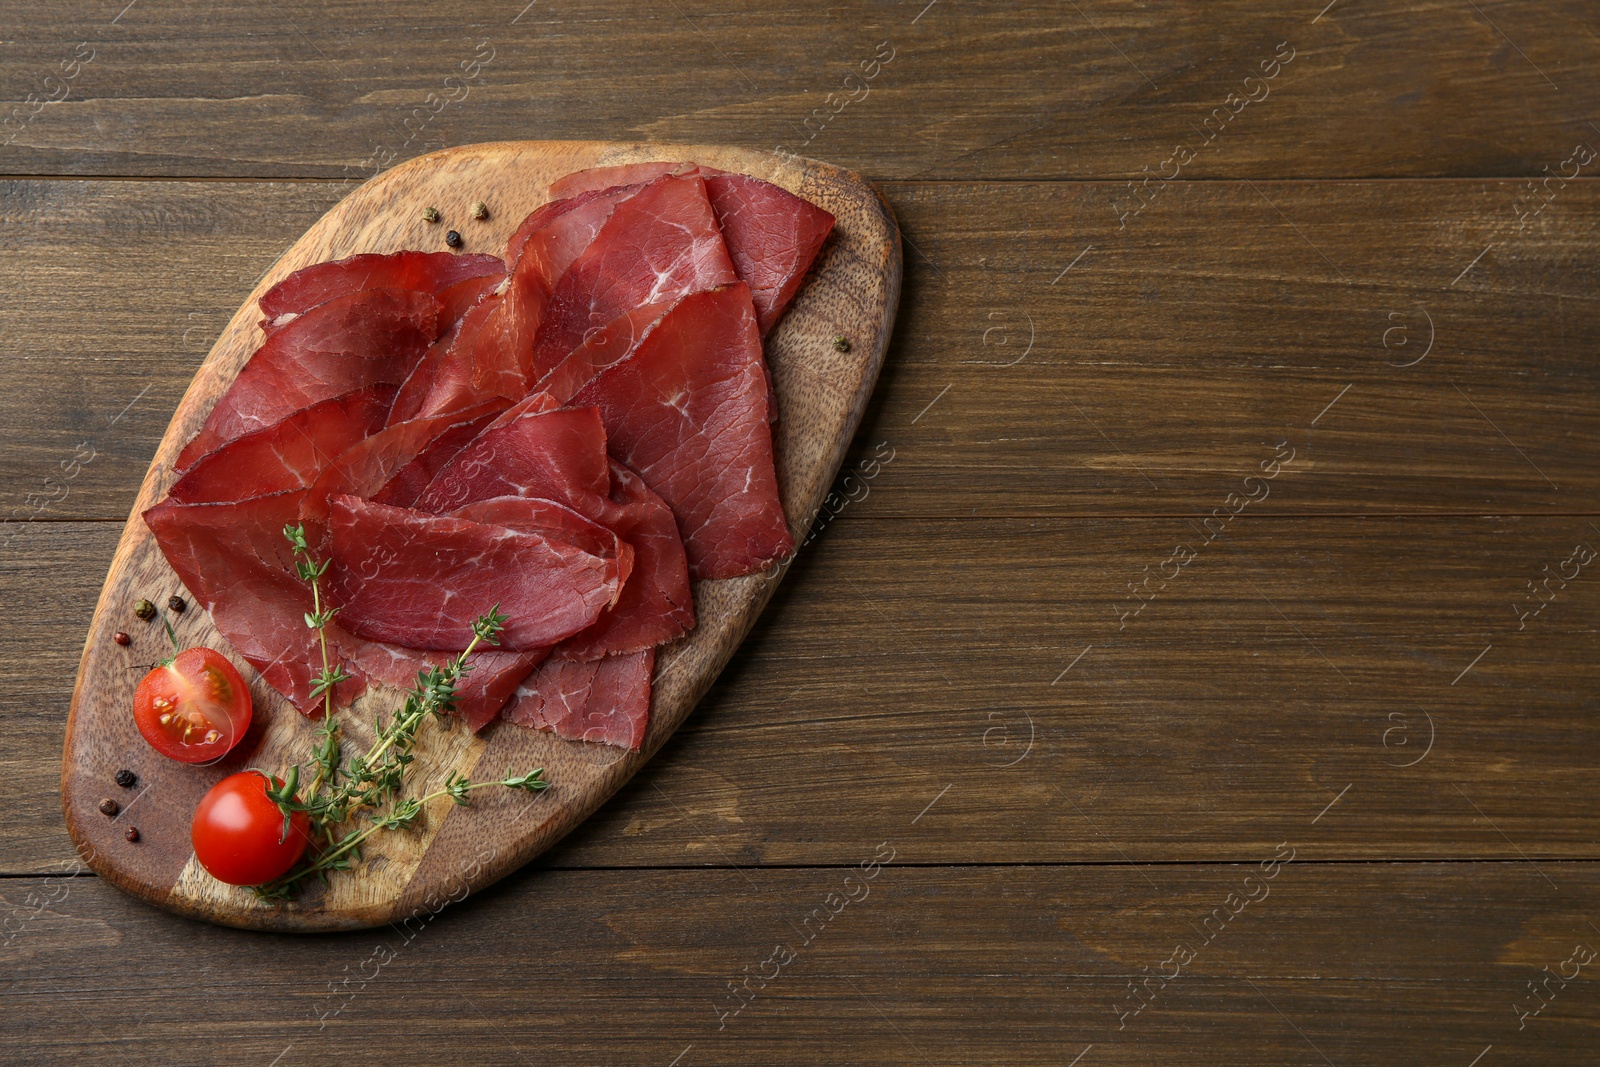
841, 343
453, 239
177, 604
430, 214
480, 210
121, 637
109, 807
132, 834
145, 610
126, 778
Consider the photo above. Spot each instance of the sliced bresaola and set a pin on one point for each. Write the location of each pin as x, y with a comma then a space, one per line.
553, 455
534, 452
656, 245
656, 603
415, 579
349, 343
234, 560
549, 519
287, 455
424, 272
688, 412
772, 235
603, 700
390, 465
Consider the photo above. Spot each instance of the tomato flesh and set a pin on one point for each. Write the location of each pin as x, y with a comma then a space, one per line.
195, 708
238, 832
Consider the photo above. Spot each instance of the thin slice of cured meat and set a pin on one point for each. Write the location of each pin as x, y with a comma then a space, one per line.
391, 465
424, 272
445, 379
656, 603
773, 236
234, 560
533, 452
552, 455
287, 455
410, 578
601, 348
549, 519
657, 245
688, 412
458, 299
349, 343
602, 700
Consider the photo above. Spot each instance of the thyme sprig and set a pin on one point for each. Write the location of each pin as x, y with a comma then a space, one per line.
368, 788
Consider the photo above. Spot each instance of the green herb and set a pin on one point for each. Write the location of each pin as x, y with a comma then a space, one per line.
367, 788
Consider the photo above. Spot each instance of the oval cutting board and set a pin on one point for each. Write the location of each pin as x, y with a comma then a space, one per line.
852, 292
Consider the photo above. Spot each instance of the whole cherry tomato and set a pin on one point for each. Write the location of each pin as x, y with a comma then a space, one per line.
194, 707
238, 832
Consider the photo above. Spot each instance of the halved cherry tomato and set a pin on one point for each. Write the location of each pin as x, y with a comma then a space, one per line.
193, 708
238, 832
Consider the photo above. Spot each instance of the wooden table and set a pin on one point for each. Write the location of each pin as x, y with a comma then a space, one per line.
1200, 667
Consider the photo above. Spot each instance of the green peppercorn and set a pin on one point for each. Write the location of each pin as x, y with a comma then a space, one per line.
841, 343
480, 210
430, 214
145, 610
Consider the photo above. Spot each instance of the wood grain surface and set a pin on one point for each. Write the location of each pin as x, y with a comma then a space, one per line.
452, 850
1282, 689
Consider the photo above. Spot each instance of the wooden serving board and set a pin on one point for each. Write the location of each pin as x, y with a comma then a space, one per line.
852, 293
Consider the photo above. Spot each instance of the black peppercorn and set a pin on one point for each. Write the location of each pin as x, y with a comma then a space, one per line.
126, 778
132, 834
453, 239
109, 807
145, 610
121, 637
177, 604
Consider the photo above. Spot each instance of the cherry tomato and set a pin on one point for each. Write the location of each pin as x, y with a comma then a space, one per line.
238, 832
193, 708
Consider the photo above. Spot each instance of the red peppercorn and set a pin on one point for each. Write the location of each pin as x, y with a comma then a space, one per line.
132, 834
121, 637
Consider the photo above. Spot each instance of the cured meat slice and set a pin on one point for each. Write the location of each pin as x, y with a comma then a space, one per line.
688, 411
773, 238
458, 299
564, 230
349, 343
658, 244
601, 348
656, 604
551, 455
233, 559
772, 235
287, 455
391, 466
547, 518
602, 700
448, 379
409, 578
424, 272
